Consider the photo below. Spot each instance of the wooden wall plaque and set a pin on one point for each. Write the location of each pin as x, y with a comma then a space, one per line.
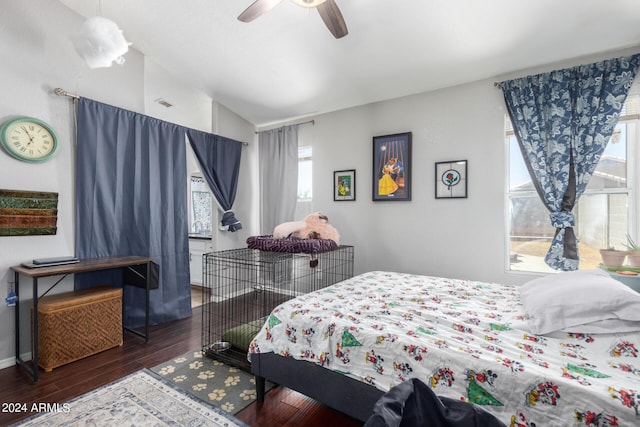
28, 213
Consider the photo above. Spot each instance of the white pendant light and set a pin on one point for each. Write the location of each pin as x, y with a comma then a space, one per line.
101, 43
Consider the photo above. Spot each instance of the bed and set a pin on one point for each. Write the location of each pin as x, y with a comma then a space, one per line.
539, 354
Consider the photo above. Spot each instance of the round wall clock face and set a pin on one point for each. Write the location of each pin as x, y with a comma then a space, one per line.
29, 139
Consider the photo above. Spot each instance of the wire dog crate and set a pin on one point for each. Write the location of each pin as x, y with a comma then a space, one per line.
242, 286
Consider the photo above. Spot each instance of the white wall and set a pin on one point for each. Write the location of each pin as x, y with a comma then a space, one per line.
459, 238
38, 56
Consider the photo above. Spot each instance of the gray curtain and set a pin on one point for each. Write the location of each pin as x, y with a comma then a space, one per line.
131, 199
219, 159
278, 151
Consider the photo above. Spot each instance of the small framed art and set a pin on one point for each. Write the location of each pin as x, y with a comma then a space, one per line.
344, 185
392, 167
451, 179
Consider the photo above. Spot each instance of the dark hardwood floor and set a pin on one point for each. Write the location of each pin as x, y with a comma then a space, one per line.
282, 407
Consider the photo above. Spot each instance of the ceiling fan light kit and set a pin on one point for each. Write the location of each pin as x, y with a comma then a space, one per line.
308, 3
328, 10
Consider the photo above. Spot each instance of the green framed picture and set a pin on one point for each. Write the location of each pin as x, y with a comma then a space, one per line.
344, 185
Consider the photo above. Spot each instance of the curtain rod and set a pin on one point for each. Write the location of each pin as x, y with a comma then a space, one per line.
61, 92
313, 122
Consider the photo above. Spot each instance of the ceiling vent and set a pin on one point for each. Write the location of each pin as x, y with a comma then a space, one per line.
164, 103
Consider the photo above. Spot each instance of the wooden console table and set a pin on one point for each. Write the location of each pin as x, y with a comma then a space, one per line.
83, 266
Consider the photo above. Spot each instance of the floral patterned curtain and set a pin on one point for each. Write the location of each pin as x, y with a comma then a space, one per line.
563, 121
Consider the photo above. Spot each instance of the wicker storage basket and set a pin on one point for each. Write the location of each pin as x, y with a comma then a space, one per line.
77, 324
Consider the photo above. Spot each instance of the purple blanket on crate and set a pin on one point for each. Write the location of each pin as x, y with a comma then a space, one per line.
291, 244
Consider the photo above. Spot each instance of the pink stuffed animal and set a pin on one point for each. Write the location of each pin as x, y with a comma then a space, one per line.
314, 226
286, 229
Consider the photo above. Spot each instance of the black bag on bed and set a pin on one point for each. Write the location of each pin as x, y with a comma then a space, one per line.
412, 404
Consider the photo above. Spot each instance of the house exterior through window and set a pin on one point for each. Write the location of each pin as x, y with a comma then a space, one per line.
604, 215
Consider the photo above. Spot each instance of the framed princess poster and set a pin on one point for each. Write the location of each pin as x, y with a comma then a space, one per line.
392, 167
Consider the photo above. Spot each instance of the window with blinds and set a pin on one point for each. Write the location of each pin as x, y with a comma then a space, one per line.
201, 207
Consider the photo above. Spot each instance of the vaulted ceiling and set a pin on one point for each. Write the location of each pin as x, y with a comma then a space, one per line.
286, 64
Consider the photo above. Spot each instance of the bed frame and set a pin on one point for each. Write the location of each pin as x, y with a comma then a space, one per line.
335, 390
330, 388
357, 399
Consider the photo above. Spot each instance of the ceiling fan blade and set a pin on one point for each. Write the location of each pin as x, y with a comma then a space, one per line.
257, 8
330, 14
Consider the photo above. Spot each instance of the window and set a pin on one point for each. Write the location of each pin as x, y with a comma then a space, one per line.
201, 206
603, 215
304, 206
305, 174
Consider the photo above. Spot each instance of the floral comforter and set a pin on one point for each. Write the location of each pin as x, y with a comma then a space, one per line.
465, 340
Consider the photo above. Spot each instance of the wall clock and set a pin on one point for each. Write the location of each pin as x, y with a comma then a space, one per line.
28, 139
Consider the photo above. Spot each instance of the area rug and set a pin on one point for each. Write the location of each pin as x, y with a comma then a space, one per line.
225, 386
141, 399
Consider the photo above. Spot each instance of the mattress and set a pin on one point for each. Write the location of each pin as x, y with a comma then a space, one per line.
467, 340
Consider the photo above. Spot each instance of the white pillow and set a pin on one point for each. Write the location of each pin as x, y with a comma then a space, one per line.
587, 301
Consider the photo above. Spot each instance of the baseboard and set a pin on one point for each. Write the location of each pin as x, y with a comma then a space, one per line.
6, 363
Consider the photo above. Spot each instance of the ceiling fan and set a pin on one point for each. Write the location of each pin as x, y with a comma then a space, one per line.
328, 10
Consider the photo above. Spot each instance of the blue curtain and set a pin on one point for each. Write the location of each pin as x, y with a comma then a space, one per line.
219, 158
131, 199
563, 121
